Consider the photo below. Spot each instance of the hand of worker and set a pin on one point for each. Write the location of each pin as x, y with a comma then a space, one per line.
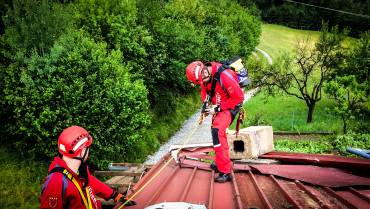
213, 109
122, 198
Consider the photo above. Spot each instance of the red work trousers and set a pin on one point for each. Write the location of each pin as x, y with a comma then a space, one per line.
220, 123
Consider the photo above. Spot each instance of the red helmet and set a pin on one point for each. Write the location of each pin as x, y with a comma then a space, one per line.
193, 72
73, 140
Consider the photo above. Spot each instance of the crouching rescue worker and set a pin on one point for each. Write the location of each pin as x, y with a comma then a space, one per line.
220, 87
69, 183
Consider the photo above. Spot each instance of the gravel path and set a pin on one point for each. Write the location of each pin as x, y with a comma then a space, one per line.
203, 132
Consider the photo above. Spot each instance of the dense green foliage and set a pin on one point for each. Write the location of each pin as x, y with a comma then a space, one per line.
350, 88
318, 146
187, 30
307, 17
350, 97
341, 142
79, 82
113, 67
33, 26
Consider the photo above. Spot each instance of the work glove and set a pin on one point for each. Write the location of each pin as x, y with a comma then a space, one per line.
118, 197
213, 110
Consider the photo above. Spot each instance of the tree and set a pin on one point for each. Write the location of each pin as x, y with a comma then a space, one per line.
304, 74
358, 59
33, 25
349, 96
350, 89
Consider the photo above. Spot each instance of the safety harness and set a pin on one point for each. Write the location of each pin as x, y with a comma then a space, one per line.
238, 108
68, 175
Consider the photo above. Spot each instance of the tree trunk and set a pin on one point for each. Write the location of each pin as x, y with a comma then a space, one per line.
344, 124
311, 108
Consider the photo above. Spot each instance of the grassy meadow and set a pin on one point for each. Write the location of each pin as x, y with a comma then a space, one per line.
276, 39
287, 113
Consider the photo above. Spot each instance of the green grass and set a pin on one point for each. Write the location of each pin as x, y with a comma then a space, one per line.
20, 182
287, 113
276, 39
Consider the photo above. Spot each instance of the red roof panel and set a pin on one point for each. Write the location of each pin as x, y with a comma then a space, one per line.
253, 186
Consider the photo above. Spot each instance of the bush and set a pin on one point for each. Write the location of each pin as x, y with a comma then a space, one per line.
78, 83
354, 140
321, 146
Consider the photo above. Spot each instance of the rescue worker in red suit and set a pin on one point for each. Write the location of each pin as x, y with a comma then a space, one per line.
69, 183
227, 98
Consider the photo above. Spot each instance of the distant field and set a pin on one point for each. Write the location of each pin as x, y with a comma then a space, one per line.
276, 39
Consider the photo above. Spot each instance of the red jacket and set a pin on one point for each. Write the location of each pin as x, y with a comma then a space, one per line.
230, 95
59, 192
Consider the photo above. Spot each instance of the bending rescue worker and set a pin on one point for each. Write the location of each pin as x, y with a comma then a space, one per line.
220, 87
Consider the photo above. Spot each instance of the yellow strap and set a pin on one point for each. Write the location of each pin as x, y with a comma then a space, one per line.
88, 197
88, 205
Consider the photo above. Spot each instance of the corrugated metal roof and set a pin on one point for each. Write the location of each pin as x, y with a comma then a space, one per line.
255, 186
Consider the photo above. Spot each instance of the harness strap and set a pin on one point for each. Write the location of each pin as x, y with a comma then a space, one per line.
69, 176
217, 77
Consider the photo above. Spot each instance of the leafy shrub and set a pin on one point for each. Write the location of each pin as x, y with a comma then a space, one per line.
80, 83
304, 146
354, 140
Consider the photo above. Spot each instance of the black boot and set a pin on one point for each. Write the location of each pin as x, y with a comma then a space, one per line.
213, 166
223, 177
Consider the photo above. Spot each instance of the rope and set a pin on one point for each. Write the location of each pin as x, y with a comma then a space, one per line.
195, 127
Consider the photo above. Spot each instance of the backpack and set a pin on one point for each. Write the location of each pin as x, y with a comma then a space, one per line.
237, 66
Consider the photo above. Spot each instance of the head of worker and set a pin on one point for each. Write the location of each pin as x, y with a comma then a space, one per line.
198, 73
74, 143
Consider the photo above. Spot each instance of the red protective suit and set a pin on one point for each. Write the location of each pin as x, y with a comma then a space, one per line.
227, 97
59, 192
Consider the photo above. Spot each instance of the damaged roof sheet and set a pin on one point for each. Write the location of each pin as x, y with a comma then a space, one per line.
299, 181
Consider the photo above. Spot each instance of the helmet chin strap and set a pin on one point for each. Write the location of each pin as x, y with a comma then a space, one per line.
83, 157
83, 167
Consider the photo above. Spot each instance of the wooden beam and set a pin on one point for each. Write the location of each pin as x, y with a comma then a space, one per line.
117, 173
